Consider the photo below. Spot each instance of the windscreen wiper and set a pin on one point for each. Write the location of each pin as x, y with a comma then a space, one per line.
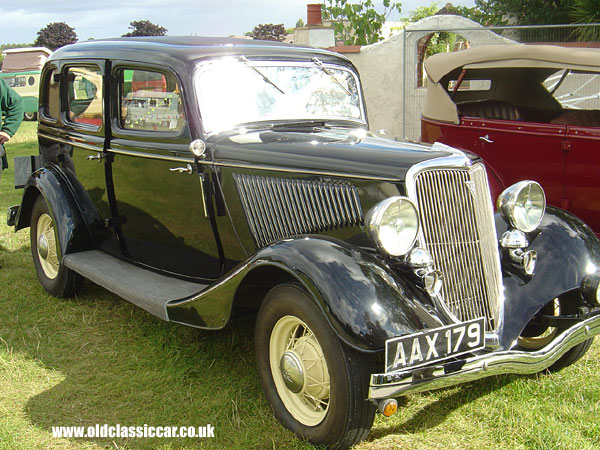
320, 65
264, 77
301, 125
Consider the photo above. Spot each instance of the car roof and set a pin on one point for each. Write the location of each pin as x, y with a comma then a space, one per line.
183, 49
512, 55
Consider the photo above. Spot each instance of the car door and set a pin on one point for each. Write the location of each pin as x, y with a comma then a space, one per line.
159, 204
582, 189
526, 151
82, 117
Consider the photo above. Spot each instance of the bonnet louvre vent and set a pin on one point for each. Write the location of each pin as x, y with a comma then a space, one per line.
279, 208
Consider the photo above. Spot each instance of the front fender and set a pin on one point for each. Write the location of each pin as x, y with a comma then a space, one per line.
567, 251
363, 300
67, 202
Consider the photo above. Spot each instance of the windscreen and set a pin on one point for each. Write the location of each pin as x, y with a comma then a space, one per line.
235, 91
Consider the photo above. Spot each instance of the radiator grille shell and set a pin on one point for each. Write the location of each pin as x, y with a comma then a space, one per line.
458, 229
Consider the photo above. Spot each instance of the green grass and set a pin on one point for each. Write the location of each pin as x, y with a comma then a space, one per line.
97, 359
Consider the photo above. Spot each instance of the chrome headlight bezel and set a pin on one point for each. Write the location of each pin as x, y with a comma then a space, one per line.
385, 234
523, 205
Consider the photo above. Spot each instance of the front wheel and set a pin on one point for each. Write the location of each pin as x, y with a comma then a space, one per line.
535, 337
315, 384
54, 277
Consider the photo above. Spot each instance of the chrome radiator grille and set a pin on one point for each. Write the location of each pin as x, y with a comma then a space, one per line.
278, 208
458, 230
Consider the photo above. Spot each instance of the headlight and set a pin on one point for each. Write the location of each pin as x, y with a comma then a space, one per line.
523, 205
393, 225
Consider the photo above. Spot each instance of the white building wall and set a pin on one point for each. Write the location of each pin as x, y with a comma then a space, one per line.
382, 67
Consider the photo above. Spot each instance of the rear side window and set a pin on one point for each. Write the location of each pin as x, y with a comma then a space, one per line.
14, 82
470, 85
50, 95
84, 95
150, 101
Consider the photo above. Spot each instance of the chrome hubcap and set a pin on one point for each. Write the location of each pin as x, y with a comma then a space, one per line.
292, 372
46, 246
299, 370
43, 246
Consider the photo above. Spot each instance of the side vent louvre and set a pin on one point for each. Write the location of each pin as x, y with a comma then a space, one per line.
279, 208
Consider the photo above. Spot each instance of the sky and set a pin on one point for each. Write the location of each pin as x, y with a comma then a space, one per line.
21, 20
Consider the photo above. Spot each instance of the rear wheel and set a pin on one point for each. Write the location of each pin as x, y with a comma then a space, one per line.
45, 249
535, 337
30, 116
315, 384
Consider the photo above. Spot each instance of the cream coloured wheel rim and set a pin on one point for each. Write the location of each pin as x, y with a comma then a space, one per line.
46, 246
299, 370
537, 342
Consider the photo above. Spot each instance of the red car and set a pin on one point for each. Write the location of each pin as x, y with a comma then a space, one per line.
531, 111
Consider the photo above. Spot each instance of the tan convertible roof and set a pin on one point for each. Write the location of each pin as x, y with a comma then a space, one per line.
517, 55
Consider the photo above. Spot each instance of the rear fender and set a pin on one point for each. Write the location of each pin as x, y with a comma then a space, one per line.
74, 215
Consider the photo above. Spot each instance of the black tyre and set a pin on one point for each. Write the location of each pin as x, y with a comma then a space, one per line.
573, 355
30, 116
45, 249
315, 384
536, 337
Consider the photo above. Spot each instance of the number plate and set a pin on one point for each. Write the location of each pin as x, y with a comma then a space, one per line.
424, 348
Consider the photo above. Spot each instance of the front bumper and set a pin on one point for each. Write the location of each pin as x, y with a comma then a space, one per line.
397, 384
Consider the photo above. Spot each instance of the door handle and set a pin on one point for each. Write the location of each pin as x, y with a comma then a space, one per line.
486, 138
186, 169
96, 157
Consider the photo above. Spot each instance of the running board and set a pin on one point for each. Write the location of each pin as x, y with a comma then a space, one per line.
143, 288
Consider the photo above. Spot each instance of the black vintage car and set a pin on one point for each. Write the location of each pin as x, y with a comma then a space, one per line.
200, 177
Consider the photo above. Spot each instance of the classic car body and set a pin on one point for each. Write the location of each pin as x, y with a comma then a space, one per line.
530, 111
377, 268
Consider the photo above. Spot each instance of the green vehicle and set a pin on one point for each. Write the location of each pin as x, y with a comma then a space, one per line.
21, 71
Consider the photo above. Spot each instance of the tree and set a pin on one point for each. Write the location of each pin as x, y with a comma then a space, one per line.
432, 10
357, 23
587, 11
145, 28
55, 35
269, 32
527, 12
442, 41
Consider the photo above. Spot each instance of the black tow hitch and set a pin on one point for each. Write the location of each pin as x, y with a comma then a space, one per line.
11, 215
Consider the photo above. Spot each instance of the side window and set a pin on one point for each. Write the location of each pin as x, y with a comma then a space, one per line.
150, 101
84, 95
14, 82
50, 96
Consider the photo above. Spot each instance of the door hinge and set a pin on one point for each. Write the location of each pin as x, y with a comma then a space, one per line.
566, 145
